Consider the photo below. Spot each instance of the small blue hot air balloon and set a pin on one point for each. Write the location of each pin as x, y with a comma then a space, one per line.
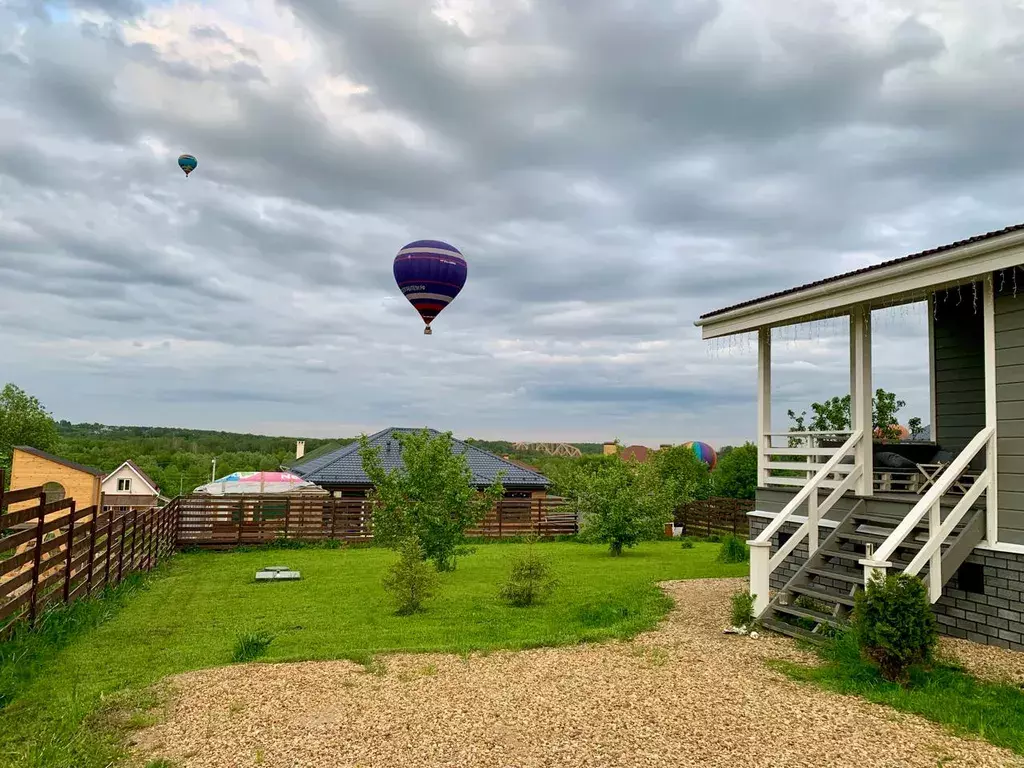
187, 163
430, 274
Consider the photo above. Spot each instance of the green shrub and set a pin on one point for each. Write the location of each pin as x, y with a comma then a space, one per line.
530, 580
411, 580
686, 542
894, 624
733, 550
743, 609
251, 645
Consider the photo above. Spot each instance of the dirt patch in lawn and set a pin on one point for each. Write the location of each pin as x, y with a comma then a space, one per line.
682, 695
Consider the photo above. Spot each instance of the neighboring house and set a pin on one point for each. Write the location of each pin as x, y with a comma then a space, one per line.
129, 488
639, 453
341, 471
839, 507
58, 477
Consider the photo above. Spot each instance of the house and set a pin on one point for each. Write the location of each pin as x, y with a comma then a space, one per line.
341, 471
58, 477
129, 488
637, 453
833, 509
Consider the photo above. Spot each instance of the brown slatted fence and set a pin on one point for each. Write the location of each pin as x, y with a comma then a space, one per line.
59, 552
715, 516
229, 521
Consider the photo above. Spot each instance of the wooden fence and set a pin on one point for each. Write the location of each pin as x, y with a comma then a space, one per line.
58, 552
226, 521
717, 515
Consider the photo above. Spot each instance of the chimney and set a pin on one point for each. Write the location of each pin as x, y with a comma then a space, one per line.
300, 449
610, 449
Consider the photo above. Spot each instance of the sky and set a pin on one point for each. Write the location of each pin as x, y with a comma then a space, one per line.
610, 174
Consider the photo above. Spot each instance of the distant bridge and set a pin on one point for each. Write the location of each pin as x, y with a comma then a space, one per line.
551, 449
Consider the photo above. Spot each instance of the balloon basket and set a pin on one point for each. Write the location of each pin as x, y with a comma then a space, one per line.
427, 331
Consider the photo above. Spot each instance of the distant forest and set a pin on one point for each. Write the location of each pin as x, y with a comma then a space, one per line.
179, 460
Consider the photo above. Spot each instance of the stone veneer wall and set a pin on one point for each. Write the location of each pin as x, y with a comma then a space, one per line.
992, 617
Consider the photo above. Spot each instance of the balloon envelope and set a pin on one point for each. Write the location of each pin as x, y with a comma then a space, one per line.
187, 163
704, 452
430, 273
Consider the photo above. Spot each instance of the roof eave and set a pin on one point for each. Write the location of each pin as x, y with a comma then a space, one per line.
909, 278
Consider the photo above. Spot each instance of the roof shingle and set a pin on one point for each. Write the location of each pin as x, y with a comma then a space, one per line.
345, 466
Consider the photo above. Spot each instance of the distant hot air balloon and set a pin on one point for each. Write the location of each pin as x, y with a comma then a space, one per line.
187, 163
704, 452
430, 273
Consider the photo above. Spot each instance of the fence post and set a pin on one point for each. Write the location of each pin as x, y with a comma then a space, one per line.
135, 539
110, 542
120, 549
92, 548
37, 561
71, 552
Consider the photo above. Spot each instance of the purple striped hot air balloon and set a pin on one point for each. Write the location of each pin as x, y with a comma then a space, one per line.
430, 273
704, 452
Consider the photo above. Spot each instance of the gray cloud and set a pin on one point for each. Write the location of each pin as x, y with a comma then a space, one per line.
609, 175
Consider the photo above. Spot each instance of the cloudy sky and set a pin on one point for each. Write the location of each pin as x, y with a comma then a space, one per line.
611, 171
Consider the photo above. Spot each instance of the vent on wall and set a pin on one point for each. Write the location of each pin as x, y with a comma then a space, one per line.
970, 577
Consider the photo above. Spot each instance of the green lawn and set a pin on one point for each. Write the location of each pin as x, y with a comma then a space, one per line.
191, 615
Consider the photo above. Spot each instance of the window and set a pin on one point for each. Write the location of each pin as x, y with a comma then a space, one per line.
54, 492
124, 484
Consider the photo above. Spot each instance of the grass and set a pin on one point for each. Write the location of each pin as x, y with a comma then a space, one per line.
72, 691
944, 694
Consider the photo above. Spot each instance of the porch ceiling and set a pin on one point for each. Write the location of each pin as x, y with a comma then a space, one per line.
900, 281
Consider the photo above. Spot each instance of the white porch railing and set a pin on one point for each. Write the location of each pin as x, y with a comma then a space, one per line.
938, 529
801, 457
762, 563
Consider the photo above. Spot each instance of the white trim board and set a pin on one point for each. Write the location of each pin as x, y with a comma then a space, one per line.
1017, 549
912, 280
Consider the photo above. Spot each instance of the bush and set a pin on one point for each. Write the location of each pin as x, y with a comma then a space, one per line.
251, 646
411, 580
894, 624
743, 609
530, 580
686, 542
733, 550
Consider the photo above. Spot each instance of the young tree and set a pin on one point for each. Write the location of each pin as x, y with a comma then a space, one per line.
24, 421
735, 476
410, 579
622, 504
432, 497
682, 475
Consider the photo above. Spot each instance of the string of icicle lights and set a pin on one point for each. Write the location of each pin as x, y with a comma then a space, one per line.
893, 314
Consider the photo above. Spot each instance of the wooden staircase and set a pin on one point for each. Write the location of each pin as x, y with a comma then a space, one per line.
820, 596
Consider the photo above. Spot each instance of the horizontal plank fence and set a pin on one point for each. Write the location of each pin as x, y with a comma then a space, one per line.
715, 516
227, 521
58, 552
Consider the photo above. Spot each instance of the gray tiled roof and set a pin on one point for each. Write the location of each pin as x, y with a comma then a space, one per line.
345, 466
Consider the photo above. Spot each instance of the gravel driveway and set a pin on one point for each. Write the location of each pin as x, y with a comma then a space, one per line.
682, 695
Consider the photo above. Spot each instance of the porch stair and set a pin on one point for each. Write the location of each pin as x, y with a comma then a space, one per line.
820, 596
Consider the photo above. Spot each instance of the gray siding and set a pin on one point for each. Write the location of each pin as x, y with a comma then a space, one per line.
959, 334
1010, 407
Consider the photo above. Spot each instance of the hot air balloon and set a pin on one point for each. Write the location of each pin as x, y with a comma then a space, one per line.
704, 452
430, 274
187, 163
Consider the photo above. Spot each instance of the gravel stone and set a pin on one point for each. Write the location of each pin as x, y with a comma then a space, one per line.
682, 695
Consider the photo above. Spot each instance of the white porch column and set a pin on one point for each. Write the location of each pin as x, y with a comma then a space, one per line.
933, 419
861, 395
764, 402
760, 574
991, 493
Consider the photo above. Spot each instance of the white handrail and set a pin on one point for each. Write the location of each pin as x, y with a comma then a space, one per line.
812, 486
952, 473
